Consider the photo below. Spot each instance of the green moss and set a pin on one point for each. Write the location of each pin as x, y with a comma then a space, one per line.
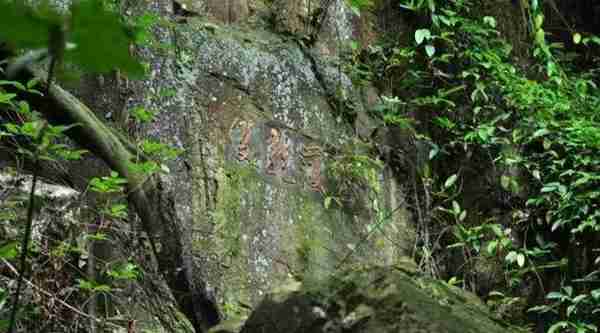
228, 214
307, 235
237, 185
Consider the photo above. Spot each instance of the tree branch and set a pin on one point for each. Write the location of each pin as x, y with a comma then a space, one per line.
153, 203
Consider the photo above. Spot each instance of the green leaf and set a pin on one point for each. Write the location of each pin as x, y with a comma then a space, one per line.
540, 37
489, 21
505, 182
141, 114
579, 298
327, 202
15, 84
521, 259
556, 327
455, 207
32, 83
430, 50
6, 98
355, 10
540, 308
24, 26
497, 229
554, 295
125, 272
511, 256
9, 250
451, 181
421, 35
433, 152
539, 21
96, 237
453, 281
550, 187
568, 290
576, 38
491, 248
540, 132
102, 41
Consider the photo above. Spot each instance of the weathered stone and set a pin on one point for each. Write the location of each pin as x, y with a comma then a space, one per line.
331, 24
229, 326
261, 123
253, 112
380, 299
225, 11
228, 11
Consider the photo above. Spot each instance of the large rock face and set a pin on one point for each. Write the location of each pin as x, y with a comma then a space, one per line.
254, 113
260, 135
258, 116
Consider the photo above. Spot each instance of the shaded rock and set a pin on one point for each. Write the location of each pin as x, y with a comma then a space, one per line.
59, 205
226, 11
331, 24
379, 299
253, 113
229, 326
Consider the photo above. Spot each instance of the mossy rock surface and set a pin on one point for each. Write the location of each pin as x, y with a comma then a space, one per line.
376, 299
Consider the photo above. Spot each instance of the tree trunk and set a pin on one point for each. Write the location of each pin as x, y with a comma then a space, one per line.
153, 204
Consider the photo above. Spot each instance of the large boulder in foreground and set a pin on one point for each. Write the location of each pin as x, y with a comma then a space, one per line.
381, 299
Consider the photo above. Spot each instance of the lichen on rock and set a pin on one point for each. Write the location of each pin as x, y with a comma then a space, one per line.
372, 299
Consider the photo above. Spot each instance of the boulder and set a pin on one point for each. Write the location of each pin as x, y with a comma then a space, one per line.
374, 299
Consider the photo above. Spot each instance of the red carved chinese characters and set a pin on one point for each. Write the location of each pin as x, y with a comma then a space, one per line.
277, 163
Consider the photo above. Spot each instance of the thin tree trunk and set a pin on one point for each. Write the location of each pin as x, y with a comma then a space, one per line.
153, 204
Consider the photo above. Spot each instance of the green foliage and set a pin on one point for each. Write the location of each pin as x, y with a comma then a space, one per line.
536, 126
355, 169
108, 184
99, 38
128, 271
142, 114
9, 250
160, 151
32, 128
392, 112
358, 5
102, 42
94, 38
27, 27
419, 5
93, 286
574, 304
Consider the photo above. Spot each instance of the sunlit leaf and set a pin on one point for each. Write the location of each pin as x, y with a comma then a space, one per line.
421, 35
9, 251
450, 181
25, 27
102, 41
430, 50
489, 21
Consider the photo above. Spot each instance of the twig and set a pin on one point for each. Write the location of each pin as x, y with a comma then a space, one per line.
51, 295
27, 236
368, 235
